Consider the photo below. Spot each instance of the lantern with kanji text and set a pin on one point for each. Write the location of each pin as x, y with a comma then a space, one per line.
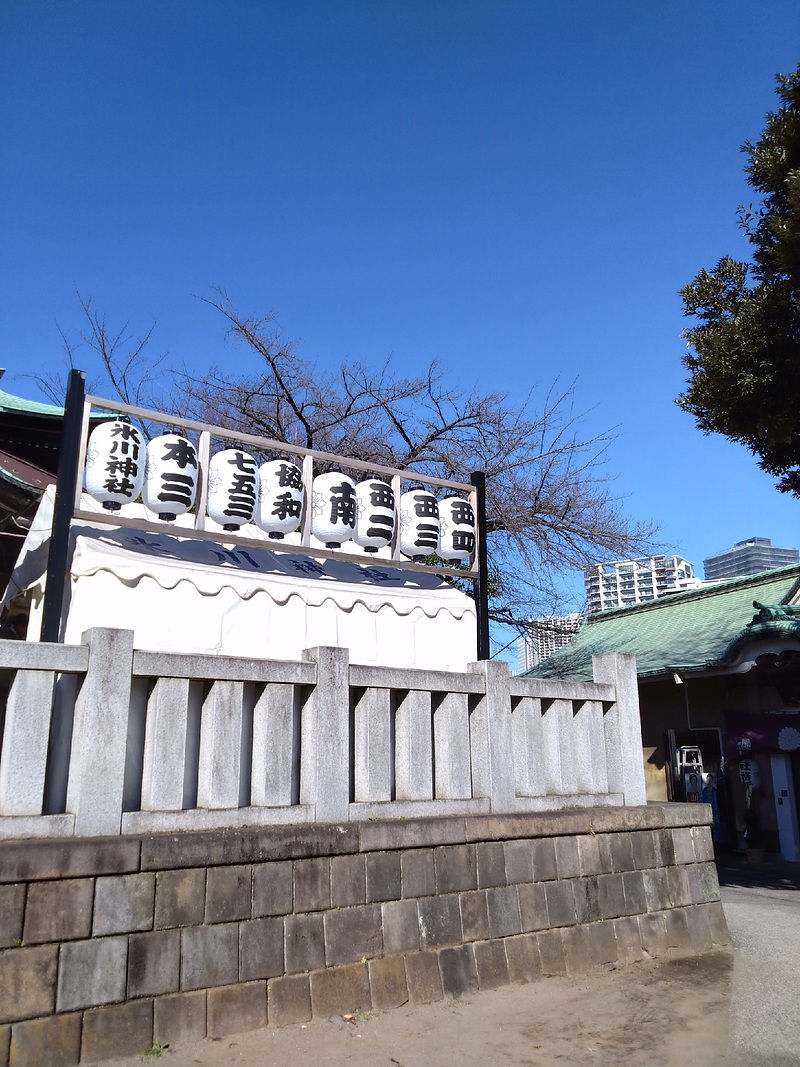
280, 502
333, 508
419, 524
170, 483
115, 464
375, 516
457, 532
232, 488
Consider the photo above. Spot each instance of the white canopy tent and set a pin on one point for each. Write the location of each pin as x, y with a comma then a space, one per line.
178, 594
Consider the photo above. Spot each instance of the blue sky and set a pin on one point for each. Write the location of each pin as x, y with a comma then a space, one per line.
517, 189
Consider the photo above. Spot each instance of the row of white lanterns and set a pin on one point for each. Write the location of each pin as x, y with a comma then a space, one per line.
119, 469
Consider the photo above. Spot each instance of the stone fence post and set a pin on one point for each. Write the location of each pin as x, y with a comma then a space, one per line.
491, 739
622, 726
325, 736
100, 734
23, 760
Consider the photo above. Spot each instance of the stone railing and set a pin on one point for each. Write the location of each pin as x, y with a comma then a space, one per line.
102, 739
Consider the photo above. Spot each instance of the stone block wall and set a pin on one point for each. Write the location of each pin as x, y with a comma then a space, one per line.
107, 945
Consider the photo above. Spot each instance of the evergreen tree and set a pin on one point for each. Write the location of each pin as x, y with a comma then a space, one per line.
744, 354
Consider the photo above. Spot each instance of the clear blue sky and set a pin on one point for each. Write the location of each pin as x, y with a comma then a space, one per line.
517, 189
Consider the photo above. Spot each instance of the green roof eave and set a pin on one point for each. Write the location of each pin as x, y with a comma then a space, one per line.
14, 479
16, 405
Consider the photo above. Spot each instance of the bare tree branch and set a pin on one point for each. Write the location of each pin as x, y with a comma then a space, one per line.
112, 358
550, 505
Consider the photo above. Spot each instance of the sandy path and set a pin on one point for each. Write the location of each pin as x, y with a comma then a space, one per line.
664, 1013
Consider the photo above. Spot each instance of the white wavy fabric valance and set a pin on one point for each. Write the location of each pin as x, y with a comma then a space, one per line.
131, 555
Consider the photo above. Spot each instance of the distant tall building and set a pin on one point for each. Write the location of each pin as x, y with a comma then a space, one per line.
748, 557
544, 637
631, 581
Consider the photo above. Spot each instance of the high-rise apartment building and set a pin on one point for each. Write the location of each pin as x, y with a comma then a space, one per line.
748, 557
631, 581
544, 637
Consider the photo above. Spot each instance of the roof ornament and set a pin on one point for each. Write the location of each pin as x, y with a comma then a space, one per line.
775, 613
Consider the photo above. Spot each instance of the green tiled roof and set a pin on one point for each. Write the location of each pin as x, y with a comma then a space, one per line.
9, 402
686, 631
14, 405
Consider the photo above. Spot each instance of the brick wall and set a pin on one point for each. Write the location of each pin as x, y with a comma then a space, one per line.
108, 944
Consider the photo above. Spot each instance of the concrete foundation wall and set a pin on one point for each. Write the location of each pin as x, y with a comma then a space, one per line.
107, 944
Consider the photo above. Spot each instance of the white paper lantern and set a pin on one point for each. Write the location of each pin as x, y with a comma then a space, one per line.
232, 488
419, 524
171, 479
333, 509
280, 502
115, 464
375, 517
457, 533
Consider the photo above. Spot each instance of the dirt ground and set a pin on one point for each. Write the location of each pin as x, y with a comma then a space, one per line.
664, 1013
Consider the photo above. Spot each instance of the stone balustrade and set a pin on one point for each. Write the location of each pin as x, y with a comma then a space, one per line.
103, 739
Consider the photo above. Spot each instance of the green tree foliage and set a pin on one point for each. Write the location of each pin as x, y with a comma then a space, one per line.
744, 352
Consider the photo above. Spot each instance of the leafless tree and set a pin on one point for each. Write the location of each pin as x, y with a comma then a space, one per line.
116, 358
550, 503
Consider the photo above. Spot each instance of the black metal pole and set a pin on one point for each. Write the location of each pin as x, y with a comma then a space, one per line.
478, 479
57, 558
